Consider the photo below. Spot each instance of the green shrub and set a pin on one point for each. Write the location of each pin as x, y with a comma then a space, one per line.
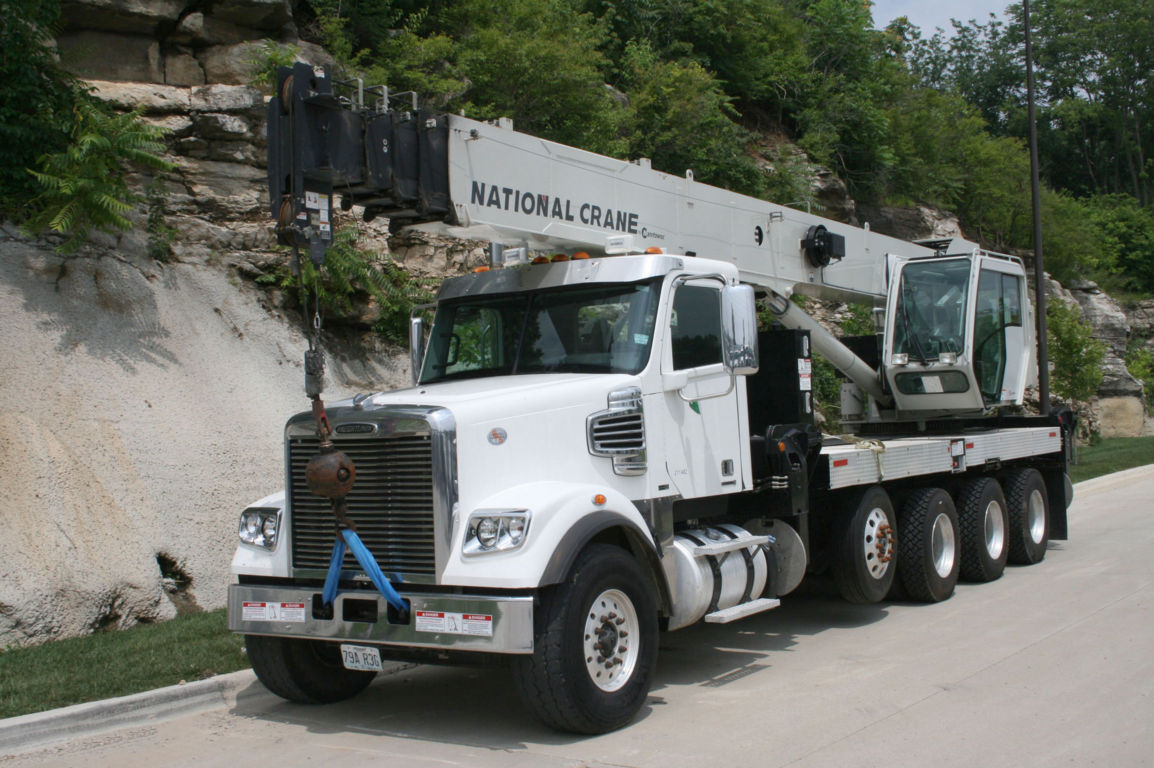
37, 101
350, 274
84, 187
1140, 363
1075, 355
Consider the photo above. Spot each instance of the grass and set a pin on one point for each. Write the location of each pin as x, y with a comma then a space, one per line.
1111, 456
199, 645
109, 664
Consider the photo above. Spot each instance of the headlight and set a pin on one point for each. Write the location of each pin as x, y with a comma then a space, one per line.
259, 526
496, 530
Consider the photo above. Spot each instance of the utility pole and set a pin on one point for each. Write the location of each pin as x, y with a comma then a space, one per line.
1035, 191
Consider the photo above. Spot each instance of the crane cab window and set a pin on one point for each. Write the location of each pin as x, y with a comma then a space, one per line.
998, 334
695, 327
930, 314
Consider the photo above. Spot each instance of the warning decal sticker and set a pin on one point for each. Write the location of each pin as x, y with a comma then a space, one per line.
444, 622
251, 611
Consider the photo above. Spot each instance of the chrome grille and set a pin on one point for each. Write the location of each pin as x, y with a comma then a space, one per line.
392, 504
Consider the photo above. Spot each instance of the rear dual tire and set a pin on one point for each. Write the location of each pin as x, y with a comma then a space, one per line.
928, 546
984, 529
1028, 505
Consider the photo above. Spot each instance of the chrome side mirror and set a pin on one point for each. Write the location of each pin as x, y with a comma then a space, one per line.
739, 329
416, 346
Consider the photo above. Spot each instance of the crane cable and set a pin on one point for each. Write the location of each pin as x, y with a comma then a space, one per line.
331, 473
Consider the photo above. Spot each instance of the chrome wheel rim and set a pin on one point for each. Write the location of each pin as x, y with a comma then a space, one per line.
878, 543
612, 640
942, 545
995, 530
1036, 516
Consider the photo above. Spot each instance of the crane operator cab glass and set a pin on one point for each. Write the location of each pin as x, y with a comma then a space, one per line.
958, 334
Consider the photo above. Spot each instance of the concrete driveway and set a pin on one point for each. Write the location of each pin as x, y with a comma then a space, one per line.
1051, 665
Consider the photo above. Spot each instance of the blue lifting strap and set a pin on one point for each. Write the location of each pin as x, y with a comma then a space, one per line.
368, 563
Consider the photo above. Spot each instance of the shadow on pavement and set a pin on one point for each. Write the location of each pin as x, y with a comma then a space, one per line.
479, 707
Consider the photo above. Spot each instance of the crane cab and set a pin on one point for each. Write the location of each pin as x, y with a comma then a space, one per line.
959, 334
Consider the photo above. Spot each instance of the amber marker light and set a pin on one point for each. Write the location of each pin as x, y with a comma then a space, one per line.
580, 255
478, 270
653, 249
599, 499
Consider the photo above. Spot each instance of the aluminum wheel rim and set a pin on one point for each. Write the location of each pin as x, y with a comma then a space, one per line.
995, 530
942, 545
1036, 516
878, 543
612, 639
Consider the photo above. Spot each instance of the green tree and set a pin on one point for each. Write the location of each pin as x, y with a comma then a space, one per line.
681, 119
539, 62
36, 98
1075, 355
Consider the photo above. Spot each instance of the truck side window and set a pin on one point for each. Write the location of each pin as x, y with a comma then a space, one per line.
696, 326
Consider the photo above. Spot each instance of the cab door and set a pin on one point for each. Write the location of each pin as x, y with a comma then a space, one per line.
703, 430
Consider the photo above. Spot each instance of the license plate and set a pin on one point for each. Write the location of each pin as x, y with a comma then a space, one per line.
361, 657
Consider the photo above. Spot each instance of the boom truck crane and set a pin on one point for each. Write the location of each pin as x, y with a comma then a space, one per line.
599, 444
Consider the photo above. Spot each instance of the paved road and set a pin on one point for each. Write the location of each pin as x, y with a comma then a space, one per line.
1051, 665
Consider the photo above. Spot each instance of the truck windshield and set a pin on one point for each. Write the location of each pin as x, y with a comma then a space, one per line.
931, 308
593, 329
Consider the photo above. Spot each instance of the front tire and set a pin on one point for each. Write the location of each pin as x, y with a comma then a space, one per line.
928, 560
305, 671
595, 645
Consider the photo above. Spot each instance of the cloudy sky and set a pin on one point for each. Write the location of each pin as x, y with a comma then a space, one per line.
928, 14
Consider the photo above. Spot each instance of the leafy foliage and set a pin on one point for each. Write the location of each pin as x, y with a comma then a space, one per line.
352, 276
35, 101
1140, 364
84, 187
266, 59
681, 119
1076, 356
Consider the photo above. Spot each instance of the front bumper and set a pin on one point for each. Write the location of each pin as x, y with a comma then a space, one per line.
459, 622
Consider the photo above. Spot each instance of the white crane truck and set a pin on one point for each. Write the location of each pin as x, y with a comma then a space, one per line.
599, 444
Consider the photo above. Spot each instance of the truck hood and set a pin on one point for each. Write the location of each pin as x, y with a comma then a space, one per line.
505, 396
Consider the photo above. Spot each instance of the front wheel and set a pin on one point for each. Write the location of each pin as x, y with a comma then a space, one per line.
306, 671
595, 645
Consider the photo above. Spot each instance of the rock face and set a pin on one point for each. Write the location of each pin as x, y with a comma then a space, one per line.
1118, 410
143, 410
920, 223
175, 42
1112, 328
